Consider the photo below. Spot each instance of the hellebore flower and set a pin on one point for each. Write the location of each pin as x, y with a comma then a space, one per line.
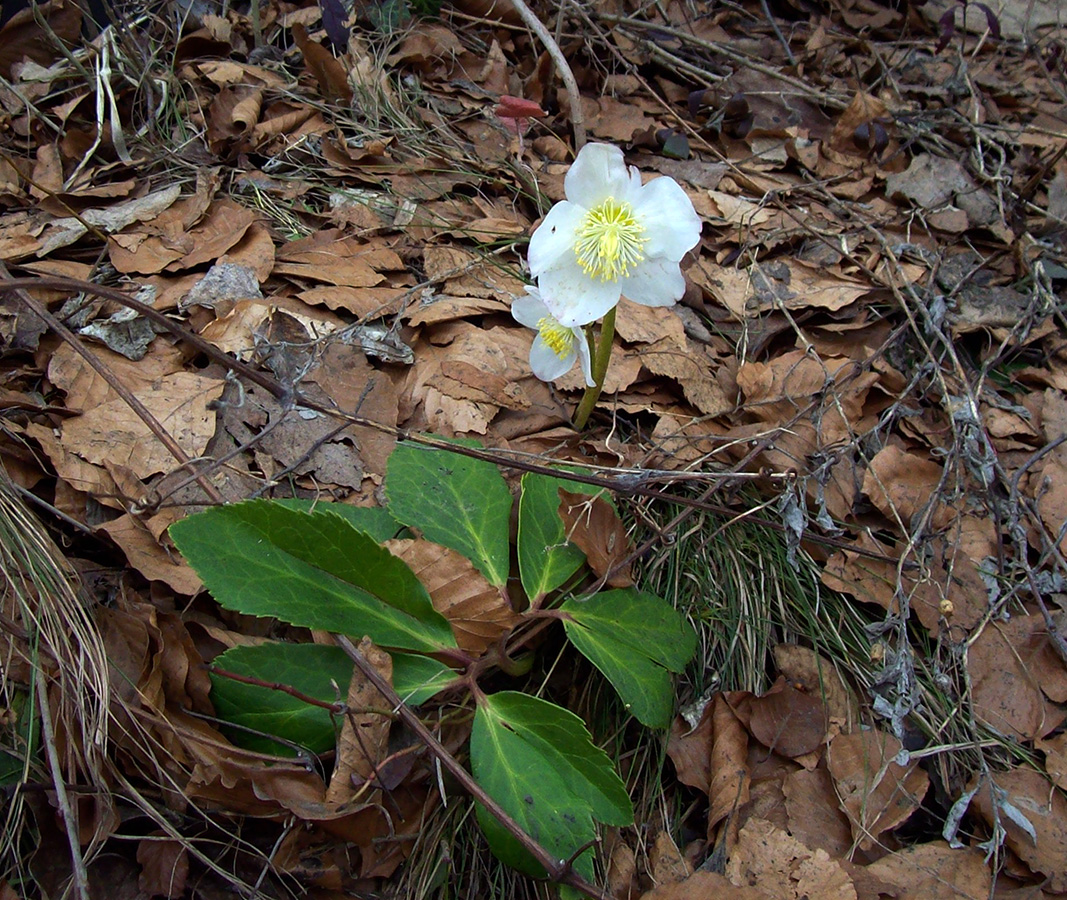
611, 236
556, 347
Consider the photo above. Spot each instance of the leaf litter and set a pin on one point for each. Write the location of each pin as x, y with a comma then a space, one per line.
874, 319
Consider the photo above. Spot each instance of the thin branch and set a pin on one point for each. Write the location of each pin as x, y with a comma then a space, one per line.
562, 66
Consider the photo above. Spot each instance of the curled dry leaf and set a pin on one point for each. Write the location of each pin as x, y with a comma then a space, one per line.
713, 757
363, 742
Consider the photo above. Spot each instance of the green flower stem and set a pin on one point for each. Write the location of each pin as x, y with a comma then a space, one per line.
600, 368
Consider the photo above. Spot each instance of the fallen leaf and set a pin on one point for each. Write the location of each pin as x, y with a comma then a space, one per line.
593, 525
876, 792
164, 865
1045, 809
477, 611
767, 856
935, 871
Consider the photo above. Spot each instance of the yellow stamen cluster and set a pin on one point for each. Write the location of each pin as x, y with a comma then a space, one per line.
560, 339
609, 240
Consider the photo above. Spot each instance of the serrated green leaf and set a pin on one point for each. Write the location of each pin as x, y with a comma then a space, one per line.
539, 763
546, 558
456, 501
373, 520
636, 640
317, 571
311, 669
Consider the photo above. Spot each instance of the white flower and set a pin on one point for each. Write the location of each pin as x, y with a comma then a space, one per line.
612, 236
556, 347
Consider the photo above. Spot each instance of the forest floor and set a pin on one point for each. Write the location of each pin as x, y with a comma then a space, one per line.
847, 444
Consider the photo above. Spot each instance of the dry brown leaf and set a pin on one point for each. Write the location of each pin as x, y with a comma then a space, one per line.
666, 861
901, 485
783, 867
637, 323
1055, 750
593, 525
1009, 663
815, 675
328, 72
1045, 808
181, 403
330, 256
876, 792
477, 612
787, 720
703, 885
935, 871
364, 739
813, 813
690, 364
876, 580
164, 865
713, 758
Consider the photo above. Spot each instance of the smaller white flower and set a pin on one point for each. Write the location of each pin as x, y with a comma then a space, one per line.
556, 346
613, 236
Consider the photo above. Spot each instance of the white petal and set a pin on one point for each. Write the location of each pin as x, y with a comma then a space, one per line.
555, 236
672, 225
573, 298
598, 172
655, 282
544, 362
582, 346
529, 310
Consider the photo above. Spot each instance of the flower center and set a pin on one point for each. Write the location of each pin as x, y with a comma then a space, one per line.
559, 338
609, 240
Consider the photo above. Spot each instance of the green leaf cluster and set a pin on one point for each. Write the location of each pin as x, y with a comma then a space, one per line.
323, 566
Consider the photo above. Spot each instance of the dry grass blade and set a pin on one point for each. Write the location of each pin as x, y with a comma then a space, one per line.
50, 632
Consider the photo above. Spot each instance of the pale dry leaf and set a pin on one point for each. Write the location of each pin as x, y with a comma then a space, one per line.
935, 871
767, 856
702, 885
181, 403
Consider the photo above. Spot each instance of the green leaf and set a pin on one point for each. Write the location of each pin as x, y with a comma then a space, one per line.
417, 678
373, 520
456, 501
317, 571
312, 669
636, 640
539, 763
546, 558
309, 668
